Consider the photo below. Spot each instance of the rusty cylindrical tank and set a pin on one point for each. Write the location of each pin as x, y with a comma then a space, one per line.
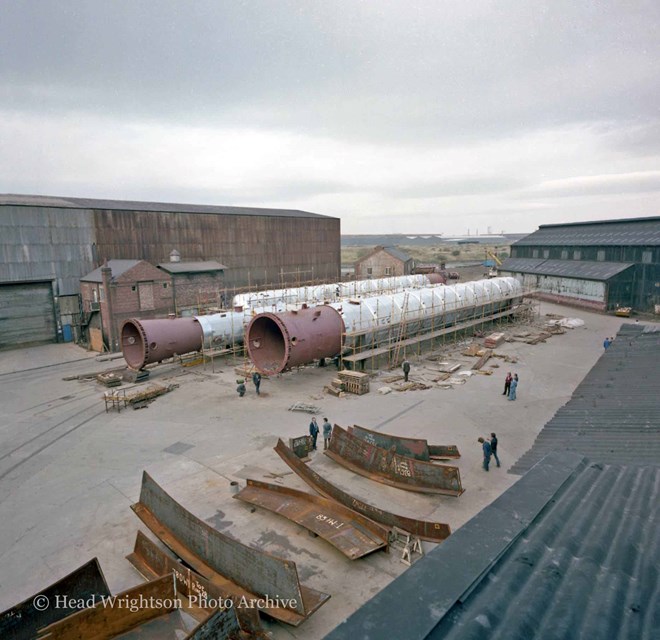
279, 341
147, 341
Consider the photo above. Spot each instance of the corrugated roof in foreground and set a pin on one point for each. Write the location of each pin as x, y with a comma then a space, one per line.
633, 231
570, 551
614, 413
584, 270
129, 205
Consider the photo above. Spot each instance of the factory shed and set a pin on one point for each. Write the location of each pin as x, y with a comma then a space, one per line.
384, 262
569, 551
595, 285
561, 261
614, 414
198, 287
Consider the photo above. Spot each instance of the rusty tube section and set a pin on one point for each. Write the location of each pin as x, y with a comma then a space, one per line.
147, 341
279, 341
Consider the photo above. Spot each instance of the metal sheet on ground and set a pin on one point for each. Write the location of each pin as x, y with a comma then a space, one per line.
392, 469
417, 448
152, 562
353, 534
431, 531
242, 570
24, 620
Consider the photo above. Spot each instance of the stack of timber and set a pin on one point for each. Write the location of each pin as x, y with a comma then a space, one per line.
150, 393
494, 340
355, 382
336, 388
109, 379
482, 361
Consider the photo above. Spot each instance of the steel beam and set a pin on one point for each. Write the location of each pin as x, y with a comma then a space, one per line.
238, 569
353, 534
431, 531
389, 468
411, 447
22, 622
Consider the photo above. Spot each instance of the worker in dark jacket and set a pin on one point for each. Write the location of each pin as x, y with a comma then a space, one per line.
313, 431
256, 379
493, 448
485, 445
241, 388
406, 369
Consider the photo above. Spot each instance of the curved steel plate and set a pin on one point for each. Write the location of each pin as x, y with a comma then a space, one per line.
389, 468
353, 534
431, 531
417, 448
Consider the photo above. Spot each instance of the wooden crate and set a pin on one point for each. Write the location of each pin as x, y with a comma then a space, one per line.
355, 381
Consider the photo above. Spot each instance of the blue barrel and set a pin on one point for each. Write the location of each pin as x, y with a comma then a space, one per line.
67, 333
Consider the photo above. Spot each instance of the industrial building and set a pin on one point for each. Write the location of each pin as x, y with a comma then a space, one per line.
600, 265
48, 243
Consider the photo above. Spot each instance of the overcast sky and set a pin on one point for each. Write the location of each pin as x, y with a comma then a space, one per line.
396, 116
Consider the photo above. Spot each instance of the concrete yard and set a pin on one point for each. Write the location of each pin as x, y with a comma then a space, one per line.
69, 471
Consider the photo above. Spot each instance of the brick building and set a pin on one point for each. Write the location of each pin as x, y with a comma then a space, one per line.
197, 287
384, 262
120, 290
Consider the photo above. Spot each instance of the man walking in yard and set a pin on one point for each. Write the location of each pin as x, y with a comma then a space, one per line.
313, 431
493, 448
256, 379
327, 433
406, 369
514, 387
485, 445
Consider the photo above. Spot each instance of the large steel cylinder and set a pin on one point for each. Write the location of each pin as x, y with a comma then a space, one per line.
147, 341
276, 342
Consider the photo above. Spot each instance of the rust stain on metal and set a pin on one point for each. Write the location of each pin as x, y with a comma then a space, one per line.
22, 621
411, 447
431, 531
353, 534
234, 567
392, 469
152, 562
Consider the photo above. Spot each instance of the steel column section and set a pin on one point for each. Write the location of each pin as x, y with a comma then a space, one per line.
215, 556
276, 342
147, 341
353, 534
431, 531
411, 447
24, 620
152, 562
389, 468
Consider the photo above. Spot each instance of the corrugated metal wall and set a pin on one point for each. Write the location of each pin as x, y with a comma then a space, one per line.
588, 293
43, 243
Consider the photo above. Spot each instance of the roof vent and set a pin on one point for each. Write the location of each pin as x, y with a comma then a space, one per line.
175, 256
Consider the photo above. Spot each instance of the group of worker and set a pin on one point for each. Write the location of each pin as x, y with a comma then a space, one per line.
314, 432
256, 381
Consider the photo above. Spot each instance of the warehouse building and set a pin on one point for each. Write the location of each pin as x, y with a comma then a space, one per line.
601, 265
47, 244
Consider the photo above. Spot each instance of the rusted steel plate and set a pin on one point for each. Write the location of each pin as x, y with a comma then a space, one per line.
24, 620
431, 531
240, 570
411, 447
152, 562
353, 534
392, 469
118, 614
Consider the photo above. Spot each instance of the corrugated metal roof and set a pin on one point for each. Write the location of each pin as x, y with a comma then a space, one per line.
614, 414
118, 268
192, 267
582, 269
634, 231
395, 252
129, 205
569, 551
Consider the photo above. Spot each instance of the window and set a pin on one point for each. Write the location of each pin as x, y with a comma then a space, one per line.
577, 254
369, 271
600, 255
133, 288
164, 285
101, 294
564, 254
388, 271
647, 257
535, 253
546, 253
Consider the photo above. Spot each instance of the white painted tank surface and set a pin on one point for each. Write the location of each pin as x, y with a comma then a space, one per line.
318, 294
